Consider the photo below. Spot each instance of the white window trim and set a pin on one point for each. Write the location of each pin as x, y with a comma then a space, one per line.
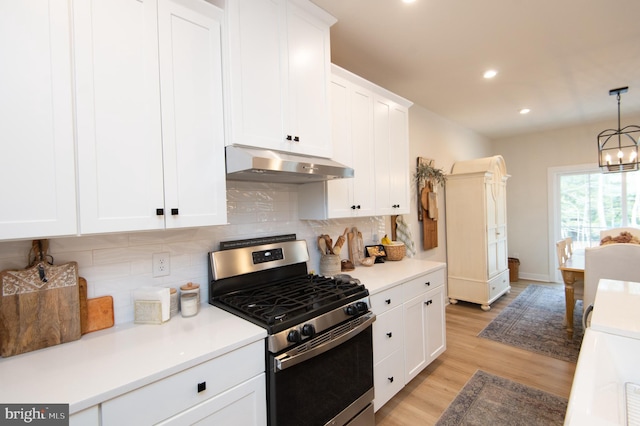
553, 189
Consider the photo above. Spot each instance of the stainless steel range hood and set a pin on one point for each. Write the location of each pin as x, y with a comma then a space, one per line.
262, 165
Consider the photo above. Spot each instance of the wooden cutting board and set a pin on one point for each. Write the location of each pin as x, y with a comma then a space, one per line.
95, 314
39, 307
99, 313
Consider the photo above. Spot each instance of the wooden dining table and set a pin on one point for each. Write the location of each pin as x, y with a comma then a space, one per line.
572, 270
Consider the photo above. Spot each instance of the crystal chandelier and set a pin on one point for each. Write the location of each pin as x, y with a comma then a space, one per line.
618, 149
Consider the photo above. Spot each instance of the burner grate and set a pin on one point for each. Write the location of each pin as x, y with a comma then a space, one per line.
291, 298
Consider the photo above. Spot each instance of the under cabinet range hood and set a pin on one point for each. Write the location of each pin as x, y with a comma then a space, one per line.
262, 165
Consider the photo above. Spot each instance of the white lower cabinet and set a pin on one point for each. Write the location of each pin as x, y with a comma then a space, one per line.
409, 332
425, 336
87, 417
231, 386
242, 405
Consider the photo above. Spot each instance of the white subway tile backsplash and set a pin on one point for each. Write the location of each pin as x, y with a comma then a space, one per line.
117, 264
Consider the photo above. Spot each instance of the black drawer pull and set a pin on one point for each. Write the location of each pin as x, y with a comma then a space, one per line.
389, 334
160, 212
174, 211
202, 386
388, 301
296, 139
390, 379
428, 302
428, 283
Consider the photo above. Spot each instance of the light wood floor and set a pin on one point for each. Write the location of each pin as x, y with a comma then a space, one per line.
427, 396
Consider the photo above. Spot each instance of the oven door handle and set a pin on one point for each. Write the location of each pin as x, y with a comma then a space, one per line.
285, 360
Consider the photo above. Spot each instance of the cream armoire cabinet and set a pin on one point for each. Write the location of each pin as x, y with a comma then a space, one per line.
476, 214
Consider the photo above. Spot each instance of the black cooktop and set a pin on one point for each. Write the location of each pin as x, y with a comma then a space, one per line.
289, 302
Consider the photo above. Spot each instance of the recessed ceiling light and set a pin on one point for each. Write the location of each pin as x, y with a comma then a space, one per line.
408, 1
524, 111
490, 73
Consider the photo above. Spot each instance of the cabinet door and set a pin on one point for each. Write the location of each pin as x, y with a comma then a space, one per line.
118, 115
391, 157
87, 417
415, 357
307, 114
435, 328
37, 177
399, 160
257, 73
352, 130
496, 227
363, 151
192, 113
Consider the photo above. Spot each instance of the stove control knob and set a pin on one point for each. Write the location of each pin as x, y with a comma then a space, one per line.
351, 310
294, 336
308, 330
361, 307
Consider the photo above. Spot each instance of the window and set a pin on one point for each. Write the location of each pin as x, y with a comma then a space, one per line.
590, 201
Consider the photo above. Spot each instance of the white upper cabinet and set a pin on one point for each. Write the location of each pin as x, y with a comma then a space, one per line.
391, 136
149, 114
37, 177
192, 113
278, 82
370, 133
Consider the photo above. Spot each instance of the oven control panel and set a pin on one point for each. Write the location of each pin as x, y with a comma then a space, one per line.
264, 256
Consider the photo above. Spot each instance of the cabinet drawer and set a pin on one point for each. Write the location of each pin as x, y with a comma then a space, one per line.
387, 334
423, 283
386, 300
498, 285
388, 378
178, 392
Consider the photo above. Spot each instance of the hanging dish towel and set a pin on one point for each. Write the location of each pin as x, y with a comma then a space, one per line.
403, 233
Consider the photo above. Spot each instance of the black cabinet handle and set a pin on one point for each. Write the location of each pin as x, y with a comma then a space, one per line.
428, 302
389, 334
174, 211
289, 137
388, 301
202, 386
296, 139
428, 283
396, 206
160, 212
390, 379
354, 207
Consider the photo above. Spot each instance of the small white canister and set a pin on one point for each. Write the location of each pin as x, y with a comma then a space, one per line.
191, 288
189, 304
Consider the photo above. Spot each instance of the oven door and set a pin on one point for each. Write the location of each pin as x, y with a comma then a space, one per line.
328, 380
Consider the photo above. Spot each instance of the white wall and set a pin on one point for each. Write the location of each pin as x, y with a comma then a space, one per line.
432, 136
116, 264
528, 158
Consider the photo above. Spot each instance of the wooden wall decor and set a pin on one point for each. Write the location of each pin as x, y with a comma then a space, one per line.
428, 208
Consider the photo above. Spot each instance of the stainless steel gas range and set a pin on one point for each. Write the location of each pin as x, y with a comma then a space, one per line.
319, 350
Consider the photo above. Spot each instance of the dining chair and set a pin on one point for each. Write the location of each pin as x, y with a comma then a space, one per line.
564, 249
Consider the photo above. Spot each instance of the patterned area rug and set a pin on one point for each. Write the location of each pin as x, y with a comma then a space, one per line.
491, 400
534, 321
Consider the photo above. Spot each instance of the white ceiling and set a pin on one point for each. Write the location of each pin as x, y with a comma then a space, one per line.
559, 58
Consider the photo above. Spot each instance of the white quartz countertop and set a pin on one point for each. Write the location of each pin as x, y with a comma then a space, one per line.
107, 363
382, 276
608, 357
618, 308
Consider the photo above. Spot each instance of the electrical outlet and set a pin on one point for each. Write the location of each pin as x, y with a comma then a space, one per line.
160, 264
